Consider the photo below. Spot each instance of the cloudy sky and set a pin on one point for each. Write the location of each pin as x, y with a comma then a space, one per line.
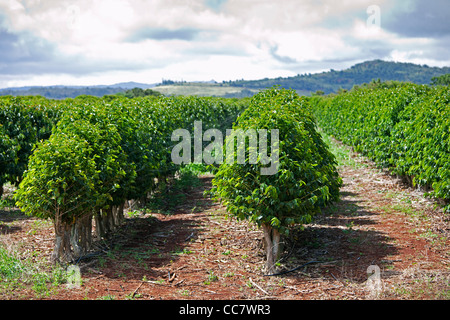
81, 42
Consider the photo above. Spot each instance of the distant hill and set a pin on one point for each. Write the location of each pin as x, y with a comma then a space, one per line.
332, 81
62, 92
328, 82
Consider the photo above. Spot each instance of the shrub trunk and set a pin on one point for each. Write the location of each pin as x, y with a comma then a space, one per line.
272, 245
81, 235
62, 252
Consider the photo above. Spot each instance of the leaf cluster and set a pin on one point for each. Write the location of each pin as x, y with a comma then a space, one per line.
404, 128
24, 121
102, 152
306, 179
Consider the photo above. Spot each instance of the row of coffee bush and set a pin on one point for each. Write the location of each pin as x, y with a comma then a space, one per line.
403, 127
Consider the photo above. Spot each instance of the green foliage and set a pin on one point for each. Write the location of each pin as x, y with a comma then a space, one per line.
443, 80
78, 158
61, 180
16, 272
10, 266
62, 92
422, 142
306, 178
168, 196
404, 128
23, 122
138, 92
103, 152
333, 80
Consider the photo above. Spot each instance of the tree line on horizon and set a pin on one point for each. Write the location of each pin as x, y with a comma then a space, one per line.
326, 82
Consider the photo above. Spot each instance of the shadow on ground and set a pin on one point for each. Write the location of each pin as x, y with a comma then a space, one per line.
338, 242
8, 217
147, 244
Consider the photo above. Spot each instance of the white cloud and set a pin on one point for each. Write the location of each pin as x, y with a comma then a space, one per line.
145, 40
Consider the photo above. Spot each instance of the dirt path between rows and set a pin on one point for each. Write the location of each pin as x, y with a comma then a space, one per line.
383, 240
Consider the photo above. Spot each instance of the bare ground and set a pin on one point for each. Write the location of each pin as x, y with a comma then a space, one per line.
198, 252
